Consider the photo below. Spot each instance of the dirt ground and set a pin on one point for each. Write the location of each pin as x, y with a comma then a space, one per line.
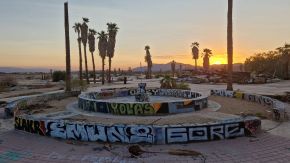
238, 107
50, 107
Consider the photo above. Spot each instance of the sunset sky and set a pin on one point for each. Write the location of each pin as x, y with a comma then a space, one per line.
32, 31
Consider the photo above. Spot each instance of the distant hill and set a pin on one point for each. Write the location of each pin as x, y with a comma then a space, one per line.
167, 67
22, 70
163, 67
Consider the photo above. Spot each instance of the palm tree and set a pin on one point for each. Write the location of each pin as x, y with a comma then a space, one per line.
206, 55
148, 60
67, 48
84, 36
102, 46
112, 31
173, 63
195, 52
230, 45
91, 40
285, 57
77, 28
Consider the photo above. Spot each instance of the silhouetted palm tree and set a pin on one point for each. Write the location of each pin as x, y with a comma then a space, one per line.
206, 55
285, 57
112, 31
195, 52
173, 64
91, 39
84, 36
77, 28
102, 46
230, 45
67, 49
148, 60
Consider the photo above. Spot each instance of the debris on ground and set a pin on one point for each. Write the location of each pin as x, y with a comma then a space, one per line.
135, 150
107, 147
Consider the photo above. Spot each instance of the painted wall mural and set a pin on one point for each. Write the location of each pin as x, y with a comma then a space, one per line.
139, 133
93, 101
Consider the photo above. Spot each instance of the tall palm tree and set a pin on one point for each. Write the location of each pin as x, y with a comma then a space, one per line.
285, 57
112, 31
77, 28
67, 48
207, 53
102, 46
230, 45
173, 63
148, 60
91, 41
195, 52
84, 36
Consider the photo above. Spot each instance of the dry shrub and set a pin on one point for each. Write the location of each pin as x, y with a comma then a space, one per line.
6, 82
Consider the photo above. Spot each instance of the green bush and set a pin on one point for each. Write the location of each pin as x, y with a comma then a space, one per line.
7, 82
78, 85
182, 86
58, 75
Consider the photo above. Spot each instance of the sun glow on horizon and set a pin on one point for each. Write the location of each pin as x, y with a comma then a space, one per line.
218, 62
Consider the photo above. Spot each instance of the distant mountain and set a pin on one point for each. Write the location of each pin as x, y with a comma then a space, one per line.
167, 67
164, 67
22, 70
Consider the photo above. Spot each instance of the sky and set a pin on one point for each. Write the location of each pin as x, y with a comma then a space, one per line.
32, 31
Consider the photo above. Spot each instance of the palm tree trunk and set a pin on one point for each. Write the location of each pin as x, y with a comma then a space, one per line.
81, 62
94, 68
230, 45
195, 64
103, 71
109, 73
86, 64
286, 69
67, 48
148, 72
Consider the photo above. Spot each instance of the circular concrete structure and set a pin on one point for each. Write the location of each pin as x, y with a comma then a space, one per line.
88, 120
162, 101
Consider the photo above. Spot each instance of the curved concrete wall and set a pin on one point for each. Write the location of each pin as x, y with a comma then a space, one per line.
94, 101
151, 134
280, 109
23, 101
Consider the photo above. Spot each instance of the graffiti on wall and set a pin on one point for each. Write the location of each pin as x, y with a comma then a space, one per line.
92, 102
137, 133
263, 100
142, 108
204, 133
32, 126
152, 92
252, 127
84, 132
134, 108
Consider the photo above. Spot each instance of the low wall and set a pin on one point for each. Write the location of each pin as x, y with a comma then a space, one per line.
280, 110
150, 134
192, 101
13, 105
